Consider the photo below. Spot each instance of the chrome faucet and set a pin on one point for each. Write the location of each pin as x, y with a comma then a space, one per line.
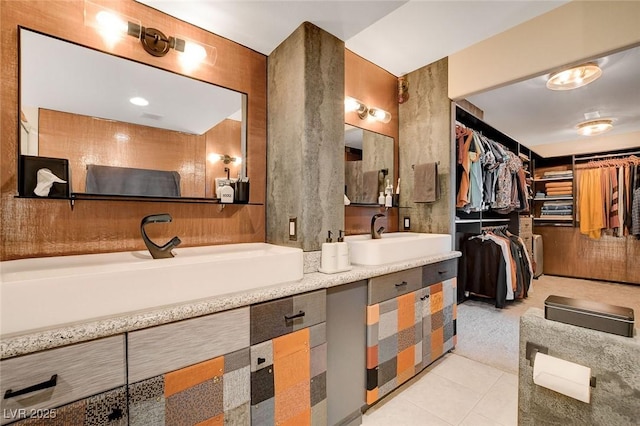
376, 234
158, 252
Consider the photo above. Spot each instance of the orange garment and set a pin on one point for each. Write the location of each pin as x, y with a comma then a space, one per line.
591, 211
465, 160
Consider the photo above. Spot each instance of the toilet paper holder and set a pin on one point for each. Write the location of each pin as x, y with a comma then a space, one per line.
531, 349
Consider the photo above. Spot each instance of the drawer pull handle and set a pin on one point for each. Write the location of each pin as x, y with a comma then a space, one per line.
40, 386
294, 316
442, 272
261, 360
402, 284
425, 297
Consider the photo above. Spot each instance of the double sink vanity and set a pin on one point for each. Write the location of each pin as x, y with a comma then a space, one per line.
121, 338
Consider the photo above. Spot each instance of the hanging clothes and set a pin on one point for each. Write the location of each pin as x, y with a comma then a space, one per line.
591, 220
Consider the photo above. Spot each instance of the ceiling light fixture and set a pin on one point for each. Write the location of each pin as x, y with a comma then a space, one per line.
575, 77
594, 127
138, 101
225, 158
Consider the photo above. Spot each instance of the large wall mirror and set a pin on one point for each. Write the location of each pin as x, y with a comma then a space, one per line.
368, 164
124, 126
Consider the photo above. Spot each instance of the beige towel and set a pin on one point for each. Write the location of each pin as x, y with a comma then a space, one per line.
426, 186
558, 184
370, 186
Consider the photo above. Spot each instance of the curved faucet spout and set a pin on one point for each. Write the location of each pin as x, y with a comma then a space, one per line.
158, 252
376, 234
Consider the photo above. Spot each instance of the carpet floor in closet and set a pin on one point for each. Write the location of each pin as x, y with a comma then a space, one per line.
477, 384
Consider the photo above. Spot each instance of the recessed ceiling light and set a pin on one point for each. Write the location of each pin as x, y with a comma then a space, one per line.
139, 101
594, 127
575, 77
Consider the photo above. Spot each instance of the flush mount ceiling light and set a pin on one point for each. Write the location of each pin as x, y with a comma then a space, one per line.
575, 77
594, 127
139, 101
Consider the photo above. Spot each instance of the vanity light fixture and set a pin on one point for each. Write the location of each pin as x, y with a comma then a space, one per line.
112, 26
574, 77
226, 159
363, 111
379, 115
594, 127
352, 104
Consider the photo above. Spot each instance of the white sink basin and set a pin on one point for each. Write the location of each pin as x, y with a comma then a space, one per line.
46, 292
395, 247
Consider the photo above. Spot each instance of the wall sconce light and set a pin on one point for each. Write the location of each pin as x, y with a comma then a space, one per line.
226, 159
113, 26
363, 111
575, 77
594, 127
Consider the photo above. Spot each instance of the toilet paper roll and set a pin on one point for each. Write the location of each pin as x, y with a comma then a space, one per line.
562, 376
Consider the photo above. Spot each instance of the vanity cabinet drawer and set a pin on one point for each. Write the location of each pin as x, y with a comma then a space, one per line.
438, 272
158, 350
392, 285
59, 376
283, 316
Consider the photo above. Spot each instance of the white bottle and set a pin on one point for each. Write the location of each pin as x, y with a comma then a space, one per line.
389, 188
381, 199
329, 256
226, 193
343, 253
388, 200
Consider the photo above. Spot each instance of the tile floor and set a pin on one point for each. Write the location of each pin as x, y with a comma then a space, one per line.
452, 391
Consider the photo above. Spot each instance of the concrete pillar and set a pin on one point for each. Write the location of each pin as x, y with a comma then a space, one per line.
425, 137
305, 145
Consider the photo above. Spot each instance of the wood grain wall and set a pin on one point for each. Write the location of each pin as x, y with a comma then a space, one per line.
569, 253
375, 87
31, 228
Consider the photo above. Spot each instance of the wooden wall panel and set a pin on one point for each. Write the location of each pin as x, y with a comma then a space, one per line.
375, 87
112, 143
569, 253
31, 228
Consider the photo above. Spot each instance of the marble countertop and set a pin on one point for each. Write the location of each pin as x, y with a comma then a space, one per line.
11, 346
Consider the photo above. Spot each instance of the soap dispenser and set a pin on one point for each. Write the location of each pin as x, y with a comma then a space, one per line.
329, 256
388, 200
343, 253
381, 199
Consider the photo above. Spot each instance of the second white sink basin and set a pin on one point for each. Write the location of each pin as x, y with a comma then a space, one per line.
51, 291
395, 247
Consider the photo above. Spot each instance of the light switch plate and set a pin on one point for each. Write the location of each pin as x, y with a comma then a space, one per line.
407, 223
293, 231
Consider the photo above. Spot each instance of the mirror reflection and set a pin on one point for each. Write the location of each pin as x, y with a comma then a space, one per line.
127, 128
368, 164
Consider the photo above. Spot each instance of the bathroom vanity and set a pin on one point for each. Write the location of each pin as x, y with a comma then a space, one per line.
301, 351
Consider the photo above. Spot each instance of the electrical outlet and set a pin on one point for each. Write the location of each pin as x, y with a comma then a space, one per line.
293, 229
407, 223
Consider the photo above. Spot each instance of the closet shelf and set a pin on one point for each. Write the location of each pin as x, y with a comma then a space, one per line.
481, 220
554, 219
536, 179
553, 199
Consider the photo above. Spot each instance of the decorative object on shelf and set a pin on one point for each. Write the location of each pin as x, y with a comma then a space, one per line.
574, 77
113, 26
44, 177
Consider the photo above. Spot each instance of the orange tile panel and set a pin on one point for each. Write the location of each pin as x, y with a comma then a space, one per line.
406, 311
187, 377
373, 314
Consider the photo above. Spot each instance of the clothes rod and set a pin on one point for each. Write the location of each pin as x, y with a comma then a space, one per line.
594, 157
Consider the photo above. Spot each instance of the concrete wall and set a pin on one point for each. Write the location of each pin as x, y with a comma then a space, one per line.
305, 149
425, 136
613, 360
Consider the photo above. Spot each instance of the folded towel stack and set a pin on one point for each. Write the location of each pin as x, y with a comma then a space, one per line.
555, 189
557, 210
558, 174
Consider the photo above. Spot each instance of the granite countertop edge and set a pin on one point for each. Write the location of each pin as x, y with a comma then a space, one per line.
11, 346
